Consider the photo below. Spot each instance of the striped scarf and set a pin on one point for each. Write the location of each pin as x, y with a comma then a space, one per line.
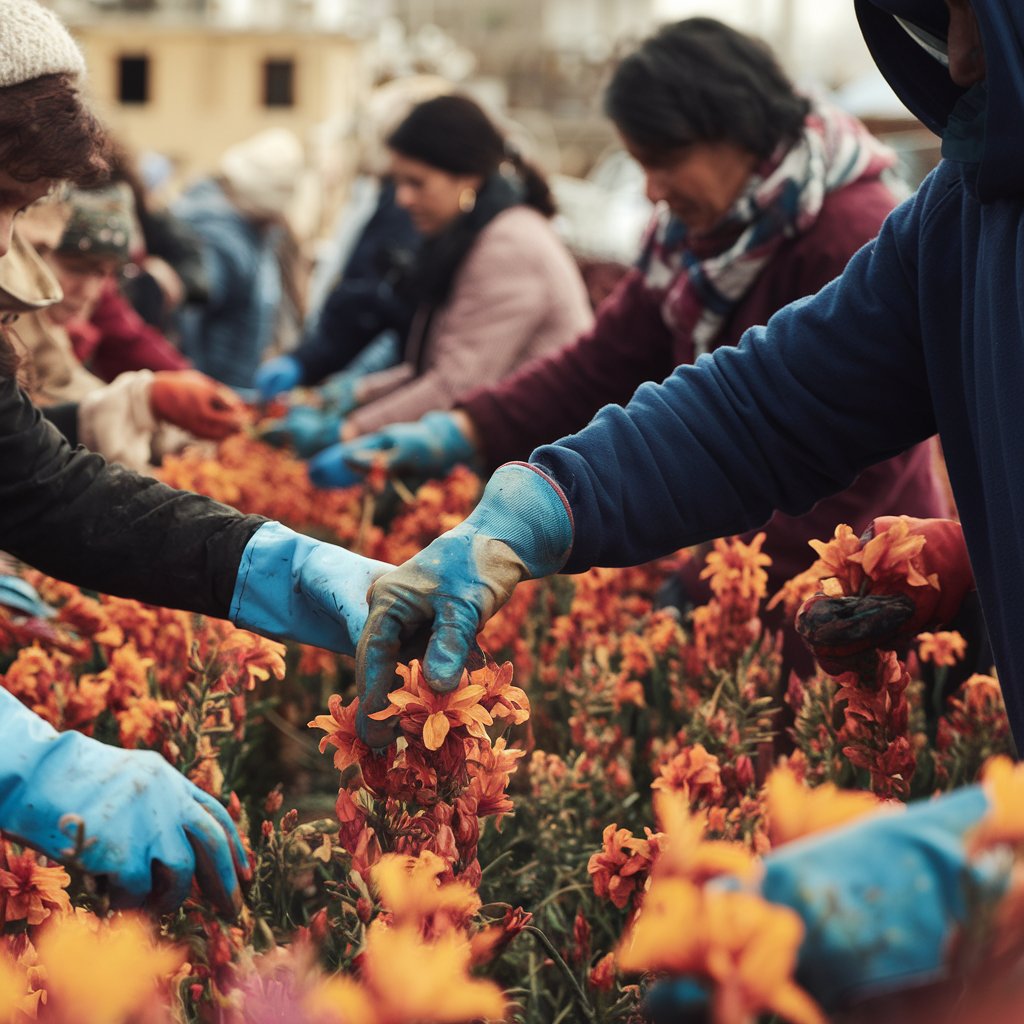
782, 199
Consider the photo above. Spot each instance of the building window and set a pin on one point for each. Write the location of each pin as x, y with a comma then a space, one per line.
133, 79
279, 83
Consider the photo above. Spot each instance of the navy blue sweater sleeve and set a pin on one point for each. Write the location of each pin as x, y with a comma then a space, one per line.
834, 383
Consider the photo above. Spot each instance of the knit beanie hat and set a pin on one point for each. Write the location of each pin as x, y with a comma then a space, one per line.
101, 223
262, 172
33, 43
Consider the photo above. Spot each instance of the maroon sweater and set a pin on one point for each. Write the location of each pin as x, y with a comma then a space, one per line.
630, 344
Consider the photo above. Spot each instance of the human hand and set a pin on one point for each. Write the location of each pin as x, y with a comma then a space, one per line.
282, 373
305, 429
840, 630
441, 598
196, 403
427, 448
126, 815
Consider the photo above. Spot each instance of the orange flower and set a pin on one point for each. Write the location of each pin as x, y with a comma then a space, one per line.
621, 868
795, 810
340, 729
836, 558
421, 711
1004, 823
893, 556
694, 774
944, 648
501, 699
736, 569
247, 658
746, 947
31, 892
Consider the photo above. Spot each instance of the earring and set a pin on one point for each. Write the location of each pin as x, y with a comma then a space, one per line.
467, 200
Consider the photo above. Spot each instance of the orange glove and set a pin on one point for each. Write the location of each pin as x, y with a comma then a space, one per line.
840, 629
196, 403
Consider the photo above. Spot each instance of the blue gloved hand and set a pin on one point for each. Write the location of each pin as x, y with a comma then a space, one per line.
144, 825
879, 898
522, 529
338, 394
305, 429
20, 595
428, 448
282, 373
292, 587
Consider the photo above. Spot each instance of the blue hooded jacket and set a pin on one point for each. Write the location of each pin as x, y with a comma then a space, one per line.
923, 332
227, 336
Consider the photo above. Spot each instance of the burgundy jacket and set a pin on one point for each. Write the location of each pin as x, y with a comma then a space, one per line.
630, 344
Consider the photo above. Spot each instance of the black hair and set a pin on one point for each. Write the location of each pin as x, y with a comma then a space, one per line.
453, 134
700, 81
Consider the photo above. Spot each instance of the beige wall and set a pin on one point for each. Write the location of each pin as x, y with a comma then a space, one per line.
206, 87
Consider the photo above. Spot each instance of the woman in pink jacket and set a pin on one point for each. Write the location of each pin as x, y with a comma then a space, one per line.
492, 283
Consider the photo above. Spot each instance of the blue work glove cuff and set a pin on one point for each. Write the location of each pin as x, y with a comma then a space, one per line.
528, 511
291, 587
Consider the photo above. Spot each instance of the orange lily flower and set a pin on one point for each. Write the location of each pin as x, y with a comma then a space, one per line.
421, 711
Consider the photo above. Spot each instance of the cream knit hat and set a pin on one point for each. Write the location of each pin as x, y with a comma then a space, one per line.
262, 172
33, 43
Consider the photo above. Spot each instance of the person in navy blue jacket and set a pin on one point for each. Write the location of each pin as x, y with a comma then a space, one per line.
923, 333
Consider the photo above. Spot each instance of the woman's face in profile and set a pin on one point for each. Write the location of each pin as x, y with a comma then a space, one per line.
432, 197
698, 183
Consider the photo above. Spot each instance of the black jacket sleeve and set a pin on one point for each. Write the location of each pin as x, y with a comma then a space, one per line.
65, 418
69, 513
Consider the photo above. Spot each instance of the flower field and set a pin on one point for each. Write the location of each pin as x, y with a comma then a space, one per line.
534, 847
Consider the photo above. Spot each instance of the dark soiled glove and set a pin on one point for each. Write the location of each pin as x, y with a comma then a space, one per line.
840, 630
441, 598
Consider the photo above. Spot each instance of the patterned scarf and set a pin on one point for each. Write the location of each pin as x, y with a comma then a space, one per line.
783, 198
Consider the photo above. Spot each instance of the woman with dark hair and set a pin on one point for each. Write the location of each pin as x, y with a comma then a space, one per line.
762, 198
492, 284
123, 814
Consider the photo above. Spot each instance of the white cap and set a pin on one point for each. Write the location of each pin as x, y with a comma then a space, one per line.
263, 171
33, 43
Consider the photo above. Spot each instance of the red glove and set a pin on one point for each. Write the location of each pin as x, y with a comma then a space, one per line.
196, 403
892, 610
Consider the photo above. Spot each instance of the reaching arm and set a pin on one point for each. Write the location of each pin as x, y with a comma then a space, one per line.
833, 384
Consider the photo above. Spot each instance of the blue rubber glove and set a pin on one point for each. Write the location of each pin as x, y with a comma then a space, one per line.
144, 825
428, 448
522, 529
879, 899
20, 595
305, 429
282, 373
338, 394
292, 587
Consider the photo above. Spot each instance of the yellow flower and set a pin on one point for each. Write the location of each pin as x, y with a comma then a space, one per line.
746, 947
103, 972
685, 853
439, 990
1003, 782
410, 888
796, 810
